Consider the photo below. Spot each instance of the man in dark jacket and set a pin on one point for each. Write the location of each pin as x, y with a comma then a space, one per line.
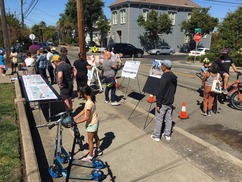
165, 99
63, 55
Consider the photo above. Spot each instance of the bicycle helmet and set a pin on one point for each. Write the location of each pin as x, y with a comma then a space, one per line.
66, 121
206, 61
225, 51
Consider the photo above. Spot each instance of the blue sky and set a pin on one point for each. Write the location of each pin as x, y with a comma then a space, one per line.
49, 10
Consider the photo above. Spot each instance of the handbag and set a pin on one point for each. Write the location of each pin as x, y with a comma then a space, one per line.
216, 87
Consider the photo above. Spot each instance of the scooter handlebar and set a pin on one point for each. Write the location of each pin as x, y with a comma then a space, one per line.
59, 114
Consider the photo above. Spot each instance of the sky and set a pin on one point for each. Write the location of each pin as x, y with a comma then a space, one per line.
49, 10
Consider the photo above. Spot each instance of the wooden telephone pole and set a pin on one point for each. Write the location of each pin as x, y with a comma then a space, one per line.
81, 27
5, 30
22, 14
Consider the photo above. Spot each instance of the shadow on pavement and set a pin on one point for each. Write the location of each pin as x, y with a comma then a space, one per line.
107, 140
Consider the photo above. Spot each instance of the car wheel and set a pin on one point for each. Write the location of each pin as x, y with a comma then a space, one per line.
157, 53
139, 55
171, 53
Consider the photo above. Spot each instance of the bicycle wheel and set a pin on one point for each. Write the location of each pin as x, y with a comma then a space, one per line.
236, 100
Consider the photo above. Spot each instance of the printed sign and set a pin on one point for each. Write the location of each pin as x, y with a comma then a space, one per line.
37, 89
155, 70
130, 69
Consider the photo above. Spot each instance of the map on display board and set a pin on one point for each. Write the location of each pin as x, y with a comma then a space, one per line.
37, 89
155, 70
130, 69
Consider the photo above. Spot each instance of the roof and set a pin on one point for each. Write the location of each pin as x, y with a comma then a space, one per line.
183, 3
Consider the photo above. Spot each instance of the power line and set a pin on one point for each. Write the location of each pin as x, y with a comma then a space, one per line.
32, 8
224, 2
215, 3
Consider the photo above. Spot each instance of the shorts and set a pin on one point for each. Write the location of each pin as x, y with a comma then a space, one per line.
81, 81
92, 128
222, 73
66, 93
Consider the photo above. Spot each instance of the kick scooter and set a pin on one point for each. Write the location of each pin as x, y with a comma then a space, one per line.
61, 156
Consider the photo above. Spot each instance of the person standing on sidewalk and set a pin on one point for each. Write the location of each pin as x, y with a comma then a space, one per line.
92, 123
109, 68
165, 98
2, 64
42, 64
64, 80
14, 60
80, 73
30, 64
63, 55
50, 66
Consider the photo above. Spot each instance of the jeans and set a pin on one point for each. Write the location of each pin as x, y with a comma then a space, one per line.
163, 117
42, 72
51, 73
113, 89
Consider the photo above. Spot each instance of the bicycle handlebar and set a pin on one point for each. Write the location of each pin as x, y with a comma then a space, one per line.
238, 74
59, 114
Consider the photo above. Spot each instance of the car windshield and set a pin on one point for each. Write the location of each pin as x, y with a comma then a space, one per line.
200, 50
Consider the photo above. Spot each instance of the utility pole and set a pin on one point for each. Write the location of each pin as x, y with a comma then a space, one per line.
81, 27
22, 13
5, 30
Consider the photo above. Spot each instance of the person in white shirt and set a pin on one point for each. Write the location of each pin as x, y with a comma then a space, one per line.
30, 64
50, 66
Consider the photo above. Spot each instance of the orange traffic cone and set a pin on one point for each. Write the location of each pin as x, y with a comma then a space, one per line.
151, 99
116, 82
183, 114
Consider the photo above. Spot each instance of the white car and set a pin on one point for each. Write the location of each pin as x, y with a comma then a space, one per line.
162, 50
198, 52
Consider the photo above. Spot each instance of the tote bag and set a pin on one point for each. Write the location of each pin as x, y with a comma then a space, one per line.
216, 87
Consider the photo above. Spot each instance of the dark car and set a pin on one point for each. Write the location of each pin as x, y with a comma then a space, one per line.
43, 45
126, 49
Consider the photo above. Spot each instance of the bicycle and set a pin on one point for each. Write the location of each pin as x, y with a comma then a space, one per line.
234, 96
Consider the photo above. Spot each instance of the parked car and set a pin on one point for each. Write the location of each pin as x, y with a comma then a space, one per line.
125, 49
2, 50
162, 50
198, 52
43, 45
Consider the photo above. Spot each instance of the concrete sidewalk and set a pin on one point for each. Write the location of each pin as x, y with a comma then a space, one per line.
130, 153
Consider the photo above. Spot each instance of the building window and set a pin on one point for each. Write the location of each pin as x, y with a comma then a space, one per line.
189, 15
187, 39
145, 14
122, 16
115, 17
172, 16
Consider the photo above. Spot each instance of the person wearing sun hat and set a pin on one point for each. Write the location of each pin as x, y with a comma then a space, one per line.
165, 98
64, 80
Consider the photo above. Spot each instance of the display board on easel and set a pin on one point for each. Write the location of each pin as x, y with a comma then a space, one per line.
130, 69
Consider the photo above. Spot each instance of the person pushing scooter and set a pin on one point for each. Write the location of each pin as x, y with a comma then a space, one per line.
92, 123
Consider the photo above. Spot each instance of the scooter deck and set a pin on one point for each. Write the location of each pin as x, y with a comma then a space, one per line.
82, 176
77, 162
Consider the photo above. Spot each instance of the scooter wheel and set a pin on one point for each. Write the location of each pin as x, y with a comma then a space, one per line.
54, 171
61, 158
97, 175
98, 164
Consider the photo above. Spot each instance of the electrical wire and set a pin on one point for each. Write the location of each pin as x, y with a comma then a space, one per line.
32, 9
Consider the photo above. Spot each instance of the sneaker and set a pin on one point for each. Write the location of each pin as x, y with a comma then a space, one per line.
153, 137
203, 113
97, 152
209, 113
225, 91
167, 137
115, 103
106, 101
87, 159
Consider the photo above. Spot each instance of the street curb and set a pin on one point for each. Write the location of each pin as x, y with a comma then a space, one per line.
194, 138
31, 172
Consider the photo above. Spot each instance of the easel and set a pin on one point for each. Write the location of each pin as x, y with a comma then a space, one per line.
95, 74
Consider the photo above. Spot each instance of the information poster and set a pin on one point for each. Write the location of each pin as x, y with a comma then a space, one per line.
155, 70
130, 69
37, 89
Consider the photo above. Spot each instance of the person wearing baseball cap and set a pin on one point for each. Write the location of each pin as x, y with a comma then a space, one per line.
63, 55
165, 98
224, 62
64, 80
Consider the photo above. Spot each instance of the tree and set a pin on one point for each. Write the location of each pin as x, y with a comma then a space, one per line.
154, 26
104, 26
199, 19
68, 19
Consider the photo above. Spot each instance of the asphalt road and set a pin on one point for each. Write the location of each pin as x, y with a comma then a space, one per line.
223, 130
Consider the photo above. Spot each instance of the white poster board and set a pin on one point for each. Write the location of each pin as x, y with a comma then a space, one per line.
130, 69
155, 70
37, 89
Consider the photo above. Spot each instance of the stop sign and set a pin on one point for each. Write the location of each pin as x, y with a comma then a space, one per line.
197, 37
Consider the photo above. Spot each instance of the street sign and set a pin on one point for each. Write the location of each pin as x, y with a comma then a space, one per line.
197, 37
32, 36
94, 49
198, 30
